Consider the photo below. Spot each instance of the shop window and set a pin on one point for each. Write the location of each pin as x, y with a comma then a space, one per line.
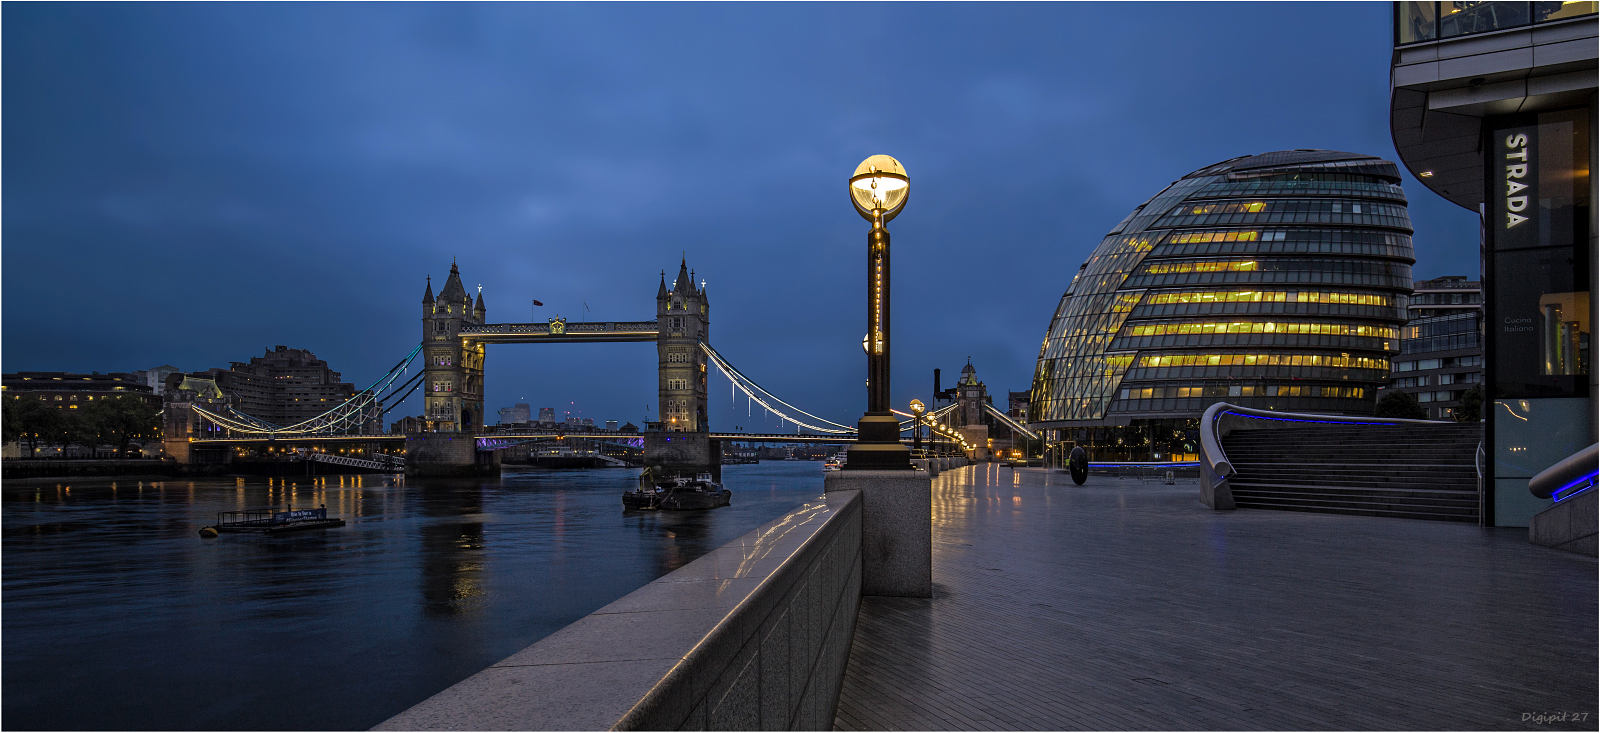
1544, 12
1538, 218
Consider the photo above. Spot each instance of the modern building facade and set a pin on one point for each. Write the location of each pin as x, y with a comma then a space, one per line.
1276, 281
1493, 107
1441, 347
518, 414
156, 377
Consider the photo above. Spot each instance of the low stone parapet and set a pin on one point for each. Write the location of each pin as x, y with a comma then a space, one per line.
1568, 525
753, 636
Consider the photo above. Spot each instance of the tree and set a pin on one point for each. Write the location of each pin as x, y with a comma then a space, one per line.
8, 419
79, 427
120, 420
1471, 409
1400, 404
37, 422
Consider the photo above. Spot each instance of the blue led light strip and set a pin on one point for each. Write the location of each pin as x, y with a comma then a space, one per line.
1579, 486
1180, 464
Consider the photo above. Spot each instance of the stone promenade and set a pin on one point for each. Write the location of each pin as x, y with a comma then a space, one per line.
1120, 605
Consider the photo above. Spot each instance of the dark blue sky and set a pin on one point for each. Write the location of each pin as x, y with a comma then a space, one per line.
191, 183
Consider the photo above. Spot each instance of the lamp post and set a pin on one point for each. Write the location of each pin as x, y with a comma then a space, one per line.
878, 189
916, 425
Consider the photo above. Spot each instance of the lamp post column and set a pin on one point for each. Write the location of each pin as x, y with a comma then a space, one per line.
878, 444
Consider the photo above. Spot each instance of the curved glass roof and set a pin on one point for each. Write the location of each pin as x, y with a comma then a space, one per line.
1275, 280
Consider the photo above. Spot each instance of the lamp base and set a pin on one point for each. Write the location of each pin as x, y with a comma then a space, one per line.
878, 448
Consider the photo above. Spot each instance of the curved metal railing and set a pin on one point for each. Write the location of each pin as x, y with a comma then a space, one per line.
1574, 475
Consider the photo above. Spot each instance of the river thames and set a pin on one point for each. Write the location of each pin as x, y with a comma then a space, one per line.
117, 615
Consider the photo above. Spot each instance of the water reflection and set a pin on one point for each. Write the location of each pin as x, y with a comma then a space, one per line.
452, 558
116, 615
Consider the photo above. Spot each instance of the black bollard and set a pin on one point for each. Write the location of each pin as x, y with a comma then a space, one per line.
1078, 463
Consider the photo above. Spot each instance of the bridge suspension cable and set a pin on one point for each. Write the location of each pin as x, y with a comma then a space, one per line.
351, 412
1010, 423
926, 419
767, 400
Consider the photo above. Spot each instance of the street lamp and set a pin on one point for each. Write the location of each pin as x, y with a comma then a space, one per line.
879, 189
917, 409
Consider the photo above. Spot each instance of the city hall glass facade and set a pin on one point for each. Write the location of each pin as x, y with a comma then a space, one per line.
1277, 281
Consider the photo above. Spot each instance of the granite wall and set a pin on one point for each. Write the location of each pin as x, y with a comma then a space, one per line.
753, 636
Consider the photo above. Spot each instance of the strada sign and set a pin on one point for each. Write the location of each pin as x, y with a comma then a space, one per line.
1518, 190
1517, 179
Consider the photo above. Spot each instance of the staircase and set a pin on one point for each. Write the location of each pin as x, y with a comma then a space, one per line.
383, 462
1413, 471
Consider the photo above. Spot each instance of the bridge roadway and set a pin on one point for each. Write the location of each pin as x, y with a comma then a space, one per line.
568, 333
395, 438
303, 439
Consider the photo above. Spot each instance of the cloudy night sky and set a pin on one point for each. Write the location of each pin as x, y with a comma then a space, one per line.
192, 183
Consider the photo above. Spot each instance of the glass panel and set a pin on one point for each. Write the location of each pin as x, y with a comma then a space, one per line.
1532, 435
1459, 19
1548, 11
1538, 224
1542, 329
1415, 22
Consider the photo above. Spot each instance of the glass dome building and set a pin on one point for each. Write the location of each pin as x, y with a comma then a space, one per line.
1276, 281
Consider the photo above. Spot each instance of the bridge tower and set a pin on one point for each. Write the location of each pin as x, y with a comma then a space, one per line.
683, 317
454, 381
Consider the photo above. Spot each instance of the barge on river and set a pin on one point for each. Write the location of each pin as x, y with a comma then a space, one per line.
273, 521
677, 494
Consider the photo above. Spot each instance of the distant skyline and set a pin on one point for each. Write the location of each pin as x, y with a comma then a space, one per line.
191, 183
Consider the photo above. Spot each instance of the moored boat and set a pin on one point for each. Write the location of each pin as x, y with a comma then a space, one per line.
642, 497
701, 493
272, 521
676, 494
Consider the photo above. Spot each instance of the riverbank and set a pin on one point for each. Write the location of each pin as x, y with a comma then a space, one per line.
155, 469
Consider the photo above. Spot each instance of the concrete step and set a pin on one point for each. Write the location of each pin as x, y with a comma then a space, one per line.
1411, 471
1360, 511
1416, 509
1356, 484
1353, 464
1360, 502
1345, 444
1410, 494
1279, 474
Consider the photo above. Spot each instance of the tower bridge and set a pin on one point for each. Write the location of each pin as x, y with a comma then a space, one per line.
201, 424
456, 335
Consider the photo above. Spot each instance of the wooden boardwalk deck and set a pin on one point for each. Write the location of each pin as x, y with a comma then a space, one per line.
1126, 606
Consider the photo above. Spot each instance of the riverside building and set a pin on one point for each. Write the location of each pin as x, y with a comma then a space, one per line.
1275, 281
70, 390
1493, 107
1441, 348
282, 386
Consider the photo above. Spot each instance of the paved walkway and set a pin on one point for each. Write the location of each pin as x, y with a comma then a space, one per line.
1119, 605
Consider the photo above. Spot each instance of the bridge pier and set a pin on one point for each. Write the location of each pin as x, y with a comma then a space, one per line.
683, 454
448, 454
